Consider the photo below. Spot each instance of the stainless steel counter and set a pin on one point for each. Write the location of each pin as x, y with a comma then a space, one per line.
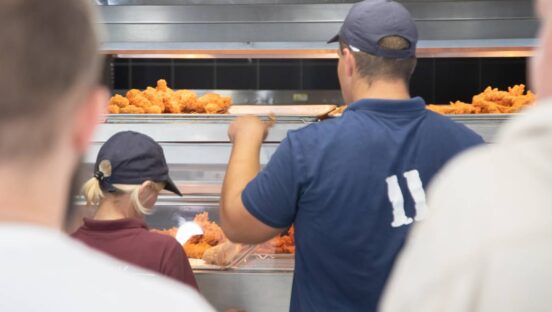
265, 292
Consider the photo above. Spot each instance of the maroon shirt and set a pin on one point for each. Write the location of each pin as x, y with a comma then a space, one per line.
131, 241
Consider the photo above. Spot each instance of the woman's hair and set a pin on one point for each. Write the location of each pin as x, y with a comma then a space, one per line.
93, 193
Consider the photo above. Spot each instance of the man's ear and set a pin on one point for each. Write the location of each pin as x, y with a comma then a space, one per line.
87, 117
350, 62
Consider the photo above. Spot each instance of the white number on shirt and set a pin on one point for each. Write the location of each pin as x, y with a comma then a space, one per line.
396, 198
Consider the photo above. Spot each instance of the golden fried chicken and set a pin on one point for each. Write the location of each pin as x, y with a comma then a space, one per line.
490, 101
163, 99
119, 101
113, 109
131, 109
212, 233
187, 100
280, 244
154, 97
140, 101
212, 103
162, 85
196, 250
222, 254
132, 93
171, 105
153, 109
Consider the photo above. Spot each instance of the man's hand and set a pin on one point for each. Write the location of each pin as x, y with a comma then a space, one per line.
250, 128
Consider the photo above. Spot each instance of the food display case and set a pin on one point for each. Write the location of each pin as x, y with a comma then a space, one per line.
197, 147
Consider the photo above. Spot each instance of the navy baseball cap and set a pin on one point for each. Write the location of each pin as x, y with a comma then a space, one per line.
370, 21
134, 158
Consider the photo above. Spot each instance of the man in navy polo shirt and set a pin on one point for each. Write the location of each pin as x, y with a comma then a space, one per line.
352, 185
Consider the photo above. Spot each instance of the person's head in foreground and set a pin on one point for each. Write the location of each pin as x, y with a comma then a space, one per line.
49, 105
129, 174
486, 244
50, 102
384, 53
541, 63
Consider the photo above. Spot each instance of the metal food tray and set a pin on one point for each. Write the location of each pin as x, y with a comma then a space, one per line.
204, 118
267, 263
483, 118
466, 117
283, 113
199, 264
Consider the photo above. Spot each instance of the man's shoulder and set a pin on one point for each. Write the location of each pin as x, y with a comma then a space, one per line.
450, 124
68, 268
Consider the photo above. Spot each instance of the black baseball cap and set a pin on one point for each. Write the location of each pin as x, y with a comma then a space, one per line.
135, 158
370, 21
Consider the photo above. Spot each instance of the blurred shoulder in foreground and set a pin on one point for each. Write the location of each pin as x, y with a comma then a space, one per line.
486, 245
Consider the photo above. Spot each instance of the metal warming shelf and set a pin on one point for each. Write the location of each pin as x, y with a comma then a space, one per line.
283, 113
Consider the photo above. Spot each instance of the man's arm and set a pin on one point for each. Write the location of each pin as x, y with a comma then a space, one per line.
247, 135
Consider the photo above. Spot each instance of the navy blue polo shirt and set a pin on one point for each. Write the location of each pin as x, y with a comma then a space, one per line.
353, 186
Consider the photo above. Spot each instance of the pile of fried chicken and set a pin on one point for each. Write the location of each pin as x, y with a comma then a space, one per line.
281, 244
212, 235
213, 243
490, 101
163, 99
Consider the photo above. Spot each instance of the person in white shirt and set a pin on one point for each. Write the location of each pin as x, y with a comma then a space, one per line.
50, 101
487, 245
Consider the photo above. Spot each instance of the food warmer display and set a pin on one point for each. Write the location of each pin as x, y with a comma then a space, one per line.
258, 278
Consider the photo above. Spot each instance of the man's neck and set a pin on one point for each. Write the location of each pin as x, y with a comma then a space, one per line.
388, 90
36, 195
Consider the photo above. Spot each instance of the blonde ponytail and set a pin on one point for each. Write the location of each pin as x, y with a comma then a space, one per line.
91, 190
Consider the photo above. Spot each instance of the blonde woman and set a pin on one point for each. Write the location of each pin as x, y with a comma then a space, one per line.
129, 174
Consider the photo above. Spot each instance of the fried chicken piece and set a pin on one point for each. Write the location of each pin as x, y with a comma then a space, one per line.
211, 108
119, 100
131, 109
162, 85
279, 244
140, 101
113, 109
212, 103
132, 93
222, 254
154, 97
172, 105
212, 233
196, 250
153, 109
187, 100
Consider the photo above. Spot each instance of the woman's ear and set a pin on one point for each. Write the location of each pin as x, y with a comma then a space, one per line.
148, 194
